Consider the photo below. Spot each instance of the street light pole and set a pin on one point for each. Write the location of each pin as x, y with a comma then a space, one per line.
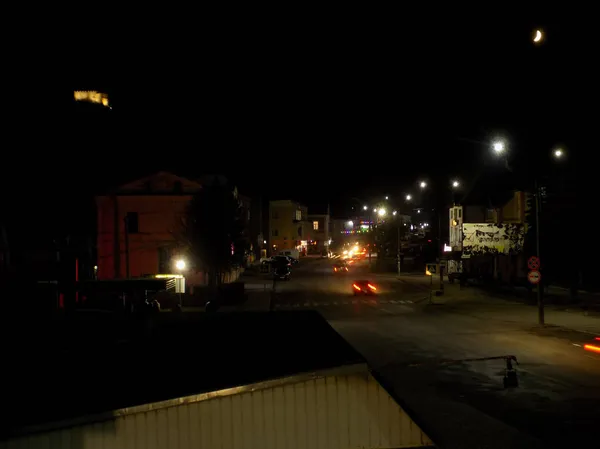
540, 297
399, 246
371, 238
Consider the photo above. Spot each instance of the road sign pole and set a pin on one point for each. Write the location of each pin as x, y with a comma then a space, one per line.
540, 297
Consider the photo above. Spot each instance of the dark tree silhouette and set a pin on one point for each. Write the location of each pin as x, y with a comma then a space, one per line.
213, 230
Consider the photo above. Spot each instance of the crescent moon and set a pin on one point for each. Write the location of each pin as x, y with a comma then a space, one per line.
538, 36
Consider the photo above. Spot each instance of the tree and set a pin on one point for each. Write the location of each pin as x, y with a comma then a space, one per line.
213, 230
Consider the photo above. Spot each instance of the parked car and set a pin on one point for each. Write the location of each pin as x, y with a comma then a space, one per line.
281, 260
282, 272
292, 260
294, 253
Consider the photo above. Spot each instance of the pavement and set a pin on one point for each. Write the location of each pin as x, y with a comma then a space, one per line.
419, 348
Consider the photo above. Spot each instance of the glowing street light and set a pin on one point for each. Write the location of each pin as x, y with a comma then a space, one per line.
365, 207
180, 265
381, 212
408, 197
422, 184
350, 224
558, 153
538, 36
455, 184
498, 147
387, 197
394, 213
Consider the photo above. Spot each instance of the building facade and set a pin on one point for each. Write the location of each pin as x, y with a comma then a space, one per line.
321, 232
139, 223
487, 241
289, 227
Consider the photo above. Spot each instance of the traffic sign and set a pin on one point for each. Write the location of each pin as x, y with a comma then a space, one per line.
534, 276
431, 269
533, 263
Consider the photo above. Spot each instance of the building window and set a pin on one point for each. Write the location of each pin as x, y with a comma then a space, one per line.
459, 213
275, 215
316, 225
275, 233
298, 215
132, 222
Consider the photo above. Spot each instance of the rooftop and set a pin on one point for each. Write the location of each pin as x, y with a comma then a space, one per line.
97, 363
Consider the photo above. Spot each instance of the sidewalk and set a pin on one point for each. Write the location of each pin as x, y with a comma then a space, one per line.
482, 304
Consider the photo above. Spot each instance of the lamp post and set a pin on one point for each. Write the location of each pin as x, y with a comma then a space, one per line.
499, 148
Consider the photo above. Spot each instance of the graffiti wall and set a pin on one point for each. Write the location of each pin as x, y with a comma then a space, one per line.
489, 238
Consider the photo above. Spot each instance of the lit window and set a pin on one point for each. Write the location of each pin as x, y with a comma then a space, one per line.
298, 215
316, 225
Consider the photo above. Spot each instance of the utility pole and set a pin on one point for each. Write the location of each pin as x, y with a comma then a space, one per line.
399, 251
371, 238
441, 269
540, 297
126, 247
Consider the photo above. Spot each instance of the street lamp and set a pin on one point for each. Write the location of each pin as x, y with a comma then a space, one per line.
498, 147
422, 184
180, 265
381, 212
394, 213
365, 207
558, 153
350, 224
387, 197
408, 197
455, 184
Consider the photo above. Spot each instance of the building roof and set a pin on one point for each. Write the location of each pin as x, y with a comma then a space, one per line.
162, 182
98, 363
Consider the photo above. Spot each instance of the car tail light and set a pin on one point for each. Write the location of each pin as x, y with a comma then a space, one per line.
591, 348
372, 287
346, 268
356, 287
335, 269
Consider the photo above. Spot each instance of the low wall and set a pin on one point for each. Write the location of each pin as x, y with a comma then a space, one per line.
201, 278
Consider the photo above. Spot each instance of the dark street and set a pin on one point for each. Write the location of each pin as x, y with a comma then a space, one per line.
556, 401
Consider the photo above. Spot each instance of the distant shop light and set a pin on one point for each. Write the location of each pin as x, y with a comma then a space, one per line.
447, 248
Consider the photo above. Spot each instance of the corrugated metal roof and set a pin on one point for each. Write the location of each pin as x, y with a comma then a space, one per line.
340, 408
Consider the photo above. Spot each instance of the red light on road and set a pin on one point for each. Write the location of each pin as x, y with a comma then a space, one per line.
597, 338
592, 348
429, 241
356, 287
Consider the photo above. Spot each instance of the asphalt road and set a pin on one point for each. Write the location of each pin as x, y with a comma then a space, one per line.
419, 350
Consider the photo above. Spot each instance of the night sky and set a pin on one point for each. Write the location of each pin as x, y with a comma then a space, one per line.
320, 108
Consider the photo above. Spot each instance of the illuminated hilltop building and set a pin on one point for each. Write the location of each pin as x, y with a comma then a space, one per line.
92, 96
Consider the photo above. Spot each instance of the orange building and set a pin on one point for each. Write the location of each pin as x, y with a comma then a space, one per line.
151, 210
